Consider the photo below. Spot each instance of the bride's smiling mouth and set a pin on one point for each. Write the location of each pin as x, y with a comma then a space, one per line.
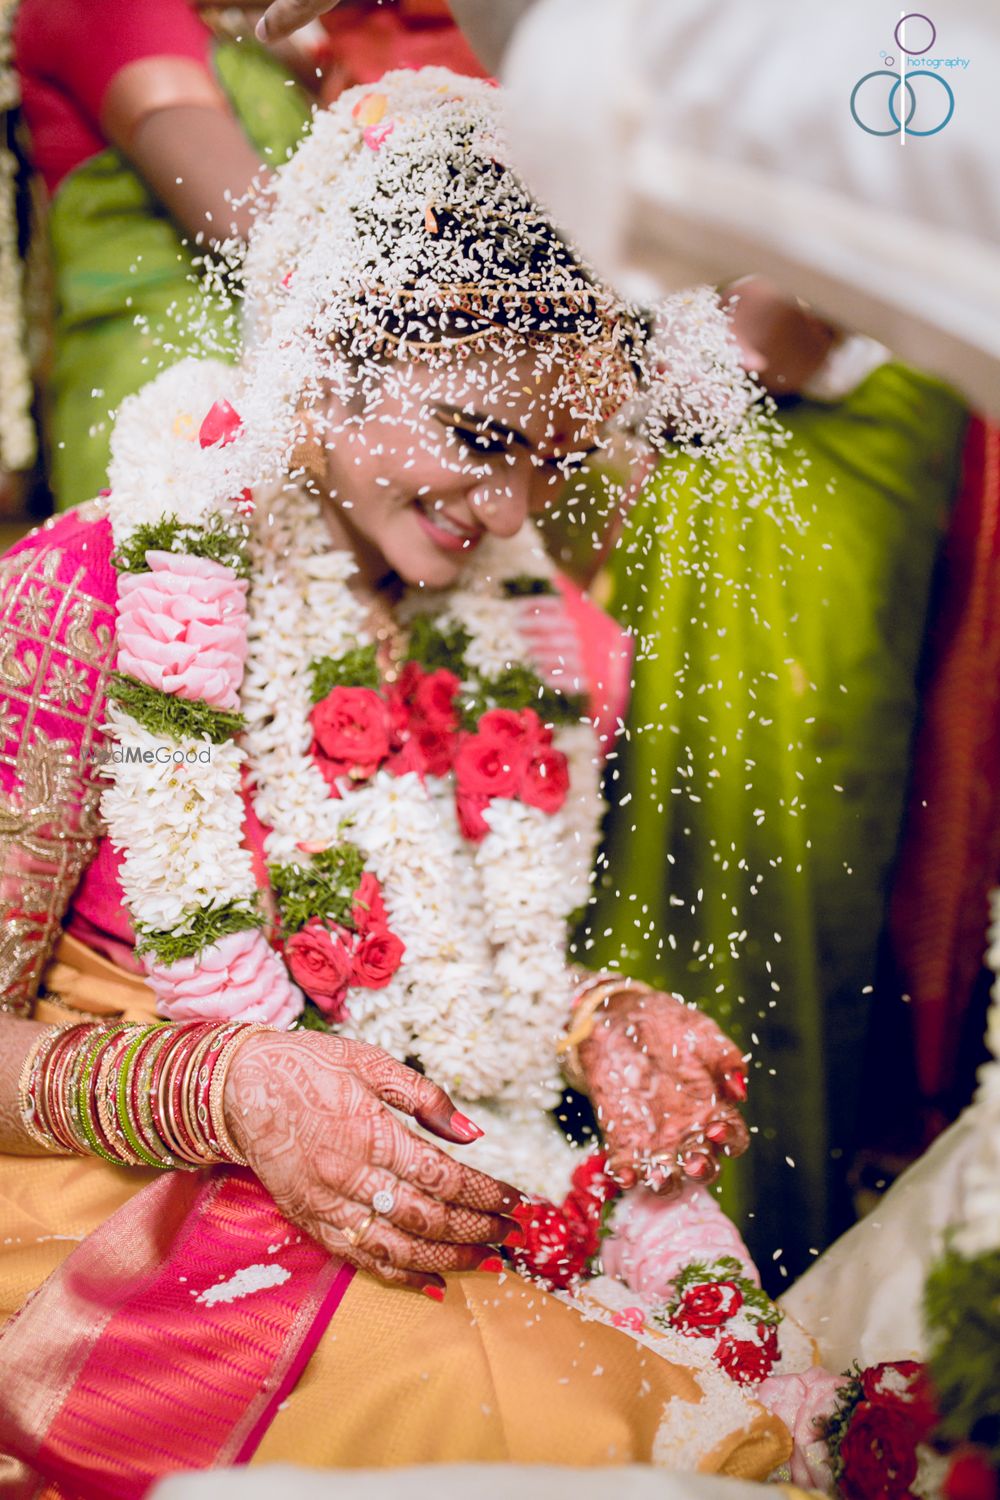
444, 531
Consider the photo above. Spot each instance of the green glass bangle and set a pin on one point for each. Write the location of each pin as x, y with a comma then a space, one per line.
124, 1085
83, 1092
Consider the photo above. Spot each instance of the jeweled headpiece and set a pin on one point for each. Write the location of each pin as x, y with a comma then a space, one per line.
398, 230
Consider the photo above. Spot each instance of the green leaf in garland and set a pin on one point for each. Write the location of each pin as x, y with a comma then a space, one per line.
519, 688
202, 927
526, 587
357, 668
834, 1429
962, 1313
323, 889
221, 540
436, 648
312, 1019
756, 1303
172, 717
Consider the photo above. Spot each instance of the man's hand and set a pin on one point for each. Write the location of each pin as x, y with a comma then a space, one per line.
283, 17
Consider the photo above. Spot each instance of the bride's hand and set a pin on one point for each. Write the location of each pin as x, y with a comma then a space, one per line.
311, 1115
665, 1082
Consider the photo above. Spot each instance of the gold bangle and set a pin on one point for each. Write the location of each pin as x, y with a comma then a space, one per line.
231, 1155
27, 1088
591, 997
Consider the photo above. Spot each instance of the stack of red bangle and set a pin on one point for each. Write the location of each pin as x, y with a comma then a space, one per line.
134, 1095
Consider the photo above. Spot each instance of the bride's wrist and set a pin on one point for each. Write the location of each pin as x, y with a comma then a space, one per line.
238, 1088
594, 996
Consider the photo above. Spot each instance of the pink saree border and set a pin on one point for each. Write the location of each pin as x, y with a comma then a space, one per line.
342, 1280
120, 1369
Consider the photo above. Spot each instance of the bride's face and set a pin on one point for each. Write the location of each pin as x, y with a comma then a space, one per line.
447, 456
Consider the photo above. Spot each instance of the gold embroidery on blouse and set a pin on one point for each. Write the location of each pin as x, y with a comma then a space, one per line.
56, 650
85, 639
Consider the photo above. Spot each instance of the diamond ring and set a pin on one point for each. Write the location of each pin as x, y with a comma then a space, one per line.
383, 1201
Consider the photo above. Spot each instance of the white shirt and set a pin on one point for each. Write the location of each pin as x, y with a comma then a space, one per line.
702, 139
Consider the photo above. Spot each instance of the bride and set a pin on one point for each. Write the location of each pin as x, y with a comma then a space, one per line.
344, 828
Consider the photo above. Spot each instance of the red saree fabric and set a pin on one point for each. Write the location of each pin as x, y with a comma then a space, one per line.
950, 855
166, 1341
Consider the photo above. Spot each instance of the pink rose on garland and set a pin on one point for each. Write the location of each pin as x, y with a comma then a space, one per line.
182, 628
656, 1237
352, 730
320, 961
805, 1403
375, 958
705, 1307
239, 978
632, 1318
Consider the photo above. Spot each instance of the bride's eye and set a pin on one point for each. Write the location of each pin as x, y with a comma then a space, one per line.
480, 442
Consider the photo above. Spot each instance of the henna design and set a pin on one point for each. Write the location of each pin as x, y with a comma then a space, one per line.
311, 1114
662, 1079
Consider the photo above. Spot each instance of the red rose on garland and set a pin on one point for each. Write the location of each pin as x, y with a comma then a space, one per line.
549, 1245
320, 963
352, 728
556, 1244
879, 1452
423, 713
591, 1183
470, 817
510, 755
434, 705
507, 727
435, 750
705, 1307
375, 959
971, 1477
904, 1383
485, 767
543, 780
746, 1361
367, 906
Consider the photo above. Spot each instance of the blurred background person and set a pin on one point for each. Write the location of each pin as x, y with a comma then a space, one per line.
150, 127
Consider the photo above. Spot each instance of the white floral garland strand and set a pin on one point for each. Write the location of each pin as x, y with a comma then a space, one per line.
302, 609
180, 824
481, 1007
